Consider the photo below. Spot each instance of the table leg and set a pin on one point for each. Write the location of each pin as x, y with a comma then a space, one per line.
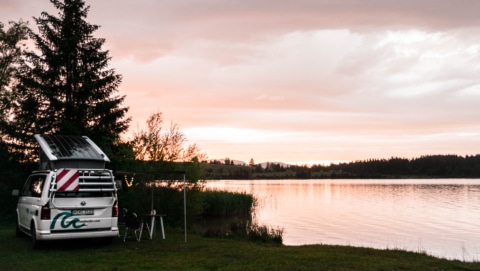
161, 224
152, 228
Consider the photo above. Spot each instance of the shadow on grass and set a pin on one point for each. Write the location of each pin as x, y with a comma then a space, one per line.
67, 245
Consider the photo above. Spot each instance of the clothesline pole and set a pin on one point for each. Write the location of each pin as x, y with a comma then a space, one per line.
185, 206
153, 184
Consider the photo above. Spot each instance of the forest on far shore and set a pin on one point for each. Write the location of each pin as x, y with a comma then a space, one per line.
429, 166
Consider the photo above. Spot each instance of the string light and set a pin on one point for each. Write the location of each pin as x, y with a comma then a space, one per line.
129, 184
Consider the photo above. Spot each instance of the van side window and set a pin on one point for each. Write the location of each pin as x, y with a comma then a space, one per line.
34, 186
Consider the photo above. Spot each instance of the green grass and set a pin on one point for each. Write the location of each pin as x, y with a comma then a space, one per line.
201, 253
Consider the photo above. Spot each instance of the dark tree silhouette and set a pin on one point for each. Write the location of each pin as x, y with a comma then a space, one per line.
66, 86
11, 51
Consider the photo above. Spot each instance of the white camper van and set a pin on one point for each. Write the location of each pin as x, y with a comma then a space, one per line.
71, 196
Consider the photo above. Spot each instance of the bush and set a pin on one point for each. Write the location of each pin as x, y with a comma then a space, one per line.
13, 176
244, 229
231, 213
227, 204
168, 199
264, 234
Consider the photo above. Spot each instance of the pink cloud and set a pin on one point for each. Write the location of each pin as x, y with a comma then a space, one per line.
339, 80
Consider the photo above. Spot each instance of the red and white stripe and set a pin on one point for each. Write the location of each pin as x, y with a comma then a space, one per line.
67, 180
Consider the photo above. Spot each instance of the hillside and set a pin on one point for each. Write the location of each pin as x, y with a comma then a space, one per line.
432, 166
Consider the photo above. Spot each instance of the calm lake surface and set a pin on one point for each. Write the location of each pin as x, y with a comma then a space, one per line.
440, 217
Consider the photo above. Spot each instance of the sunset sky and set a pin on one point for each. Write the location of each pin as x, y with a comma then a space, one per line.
297, 81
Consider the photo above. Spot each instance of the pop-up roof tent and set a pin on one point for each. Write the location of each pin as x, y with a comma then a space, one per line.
60, 151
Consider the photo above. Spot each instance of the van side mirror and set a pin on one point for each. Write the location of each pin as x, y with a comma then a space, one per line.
118, 184
15, 192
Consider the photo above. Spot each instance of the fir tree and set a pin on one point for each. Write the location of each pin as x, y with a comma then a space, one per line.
11, 51
67, 86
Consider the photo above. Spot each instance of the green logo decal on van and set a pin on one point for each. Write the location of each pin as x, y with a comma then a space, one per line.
63, 222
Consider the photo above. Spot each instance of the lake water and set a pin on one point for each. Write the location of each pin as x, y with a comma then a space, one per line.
440, 217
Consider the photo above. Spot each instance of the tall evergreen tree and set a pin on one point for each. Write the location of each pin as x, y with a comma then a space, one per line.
11, 52
67, 86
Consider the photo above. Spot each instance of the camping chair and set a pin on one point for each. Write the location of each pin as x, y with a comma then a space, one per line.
121, 216
132, 224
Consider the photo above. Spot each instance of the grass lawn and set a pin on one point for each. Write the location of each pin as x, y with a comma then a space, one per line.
201, 253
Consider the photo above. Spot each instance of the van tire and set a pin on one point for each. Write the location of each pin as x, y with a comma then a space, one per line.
33, 232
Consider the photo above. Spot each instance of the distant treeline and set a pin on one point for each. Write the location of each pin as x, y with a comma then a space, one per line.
430, 166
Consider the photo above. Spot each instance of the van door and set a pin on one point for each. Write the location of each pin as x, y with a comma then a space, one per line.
83, 200
80, 211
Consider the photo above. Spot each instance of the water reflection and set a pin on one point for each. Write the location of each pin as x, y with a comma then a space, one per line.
439, 217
